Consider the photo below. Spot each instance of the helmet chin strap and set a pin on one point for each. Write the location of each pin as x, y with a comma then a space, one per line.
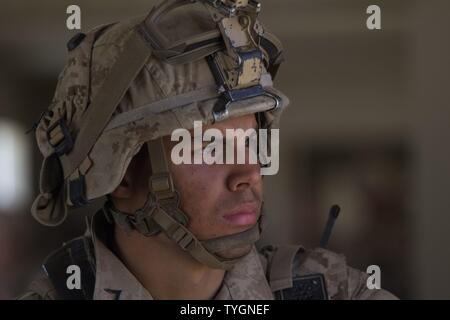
162, 212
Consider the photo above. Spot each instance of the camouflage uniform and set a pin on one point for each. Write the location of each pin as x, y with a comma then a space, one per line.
247, 280
127, 85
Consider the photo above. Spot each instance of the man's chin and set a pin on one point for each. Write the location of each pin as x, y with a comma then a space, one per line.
235, 252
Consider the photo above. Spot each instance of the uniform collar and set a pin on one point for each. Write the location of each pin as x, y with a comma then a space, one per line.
245, 281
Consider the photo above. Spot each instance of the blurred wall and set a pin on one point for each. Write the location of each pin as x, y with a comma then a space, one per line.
430, 109
367, 128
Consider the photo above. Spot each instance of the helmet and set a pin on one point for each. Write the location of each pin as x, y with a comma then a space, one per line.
128, 84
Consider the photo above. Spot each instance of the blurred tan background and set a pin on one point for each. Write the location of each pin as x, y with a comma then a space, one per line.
368, 128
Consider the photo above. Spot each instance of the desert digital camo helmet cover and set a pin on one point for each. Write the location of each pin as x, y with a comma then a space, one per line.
131, 83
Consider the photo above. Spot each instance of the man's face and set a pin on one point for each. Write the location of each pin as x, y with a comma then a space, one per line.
220, 199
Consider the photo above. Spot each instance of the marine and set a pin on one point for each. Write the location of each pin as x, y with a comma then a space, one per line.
170, 231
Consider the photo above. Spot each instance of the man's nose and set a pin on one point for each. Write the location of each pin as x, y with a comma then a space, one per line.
244, 176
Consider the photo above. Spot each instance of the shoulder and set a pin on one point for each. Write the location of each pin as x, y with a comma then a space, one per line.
51, 282
40, 289
341, 280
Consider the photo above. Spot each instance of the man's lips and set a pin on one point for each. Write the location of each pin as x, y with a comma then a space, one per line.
244, 215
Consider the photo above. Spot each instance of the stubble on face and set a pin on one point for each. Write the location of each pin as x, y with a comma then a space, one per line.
207, 195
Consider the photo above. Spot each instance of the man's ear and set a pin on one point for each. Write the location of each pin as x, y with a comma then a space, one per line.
125, 189
135, 180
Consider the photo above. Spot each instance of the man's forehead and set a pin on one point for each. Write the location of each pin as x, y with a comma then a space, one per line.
243, 122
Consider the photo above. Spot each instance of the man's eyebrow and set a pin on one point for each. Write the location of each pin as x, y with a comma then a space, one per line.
214, 139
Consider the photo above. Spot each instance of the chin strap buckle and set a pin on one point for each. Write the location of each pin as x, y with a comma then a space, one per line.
58, 135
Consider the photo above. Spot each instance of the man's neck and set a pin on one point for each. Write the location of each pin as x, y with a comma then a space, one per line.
164, 270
